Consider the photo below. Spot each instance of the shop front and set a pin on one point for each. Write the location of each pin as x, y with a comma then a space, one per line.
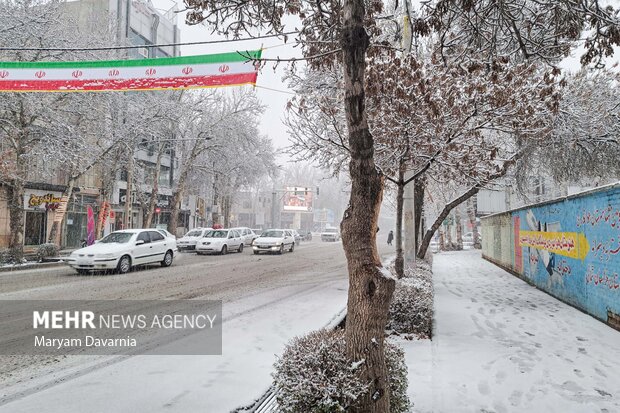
39, 208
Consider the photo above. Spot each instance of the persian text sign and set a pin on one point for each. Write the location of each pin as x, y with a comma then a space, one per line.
568, 244
189, 72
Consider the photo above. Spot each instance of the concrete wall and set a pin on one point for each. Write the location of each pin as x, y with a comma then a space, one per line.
569, 248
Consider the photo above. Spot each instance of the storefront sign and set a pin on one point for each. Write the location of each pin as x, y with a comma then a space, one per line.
48, 200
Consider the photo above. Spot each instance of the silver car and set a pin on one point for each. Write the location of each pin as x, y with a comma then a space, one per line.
220, 241
247, 235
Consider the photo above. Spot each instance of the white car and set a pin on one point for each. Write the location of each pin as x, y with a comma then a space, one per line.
274, 240
122, 250
247, 234
189, 240
330, 234
219, 241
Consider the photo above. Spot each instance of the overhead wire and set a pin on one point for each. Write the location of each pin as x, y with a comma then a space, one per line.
88, 49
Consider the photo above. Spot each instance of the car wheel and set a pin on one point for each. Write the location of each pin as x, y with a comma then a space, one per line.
124, 264
292, 247
224, 250
255, 252
281, 251
167, 262
240, 248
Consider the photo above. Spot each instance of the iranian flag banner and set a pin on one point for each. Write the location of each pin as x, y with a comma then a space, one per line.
188, 72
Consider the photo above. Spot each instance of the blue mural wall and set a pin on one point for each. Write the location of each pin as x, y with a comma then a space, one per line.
571, 249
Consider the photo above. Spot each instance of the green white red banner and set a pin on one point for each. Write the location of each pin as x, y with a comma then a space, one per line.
187, 72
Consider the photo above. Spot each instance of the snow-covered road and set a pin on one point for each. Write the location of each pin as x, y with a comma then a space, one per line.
501, 345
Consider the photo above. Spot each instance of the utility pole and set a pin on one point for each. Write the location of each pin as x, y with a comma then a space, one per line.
409, 195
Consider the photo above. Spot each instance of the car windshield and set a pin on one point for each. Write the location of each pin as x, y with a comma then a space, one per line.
216, 234
193, 234
271, 234
117, 237
331, 230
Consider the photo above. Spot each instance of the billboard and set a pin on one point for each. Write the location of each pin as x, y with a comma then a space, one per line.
298, 199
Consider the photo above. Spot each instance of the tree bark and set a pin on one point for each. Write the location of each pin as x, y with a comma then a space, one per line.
127, 218
16, 220
418, 199
54, 236
215, 216
459, 229
473, 211
399, 262
369, 290
155, 191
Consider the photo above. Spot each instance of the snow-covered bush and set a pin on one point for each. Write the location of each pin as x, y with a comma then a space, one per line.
6, 257
411, 309
397, 369
46, 251
314, 376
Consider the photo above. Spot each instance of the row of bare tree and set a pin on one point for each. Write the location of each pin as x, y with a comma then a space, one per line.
210, 138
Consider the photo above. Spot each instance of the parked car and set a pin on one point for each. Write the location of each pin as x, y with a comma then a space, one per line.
189, 240
330, 234
167, 234
274, 240
297, 236
219, 241
247, 234
122, 250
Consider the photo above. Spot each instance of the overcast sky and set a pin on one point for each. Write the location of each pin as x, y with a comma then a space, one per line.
275, 102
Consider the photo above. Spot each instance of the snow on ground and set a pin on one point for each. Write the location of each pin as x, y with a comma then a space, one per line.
501, 345
255, 330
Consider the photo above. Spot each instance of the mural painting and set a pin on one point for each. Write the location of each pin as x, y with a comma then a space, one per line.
571, 249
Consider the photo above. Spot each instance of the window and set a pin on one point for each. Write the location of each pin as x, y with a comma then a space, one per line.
156, 236
164, 176
144, 236
117, 237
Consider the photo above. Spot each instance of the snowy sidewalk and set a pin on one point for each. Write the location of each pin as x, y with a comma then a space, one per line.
501, 345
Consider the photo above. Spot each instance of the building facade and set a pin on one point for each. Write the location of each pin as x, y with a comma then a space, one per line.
136, 22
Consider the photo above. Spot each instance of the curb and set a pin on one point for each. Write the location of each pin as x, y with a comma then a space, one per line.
32, 266
267, 402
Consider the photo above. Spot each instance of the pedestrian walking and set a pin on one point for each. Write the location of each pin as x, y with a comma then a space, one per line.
390, 237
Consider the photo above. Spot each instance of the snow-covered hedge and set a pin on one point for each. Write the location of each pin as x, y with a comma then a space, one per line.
314, 376
46, 251
411, 310
6, 257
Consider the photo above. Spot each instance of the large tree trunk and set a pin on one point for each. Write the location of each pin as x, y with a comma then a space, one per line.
215, 216
399, 262
459, 229
472, 211
226, 210
54, 236
127, 218
177, 197
16, 220
369, 290
418, 202
155, 192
